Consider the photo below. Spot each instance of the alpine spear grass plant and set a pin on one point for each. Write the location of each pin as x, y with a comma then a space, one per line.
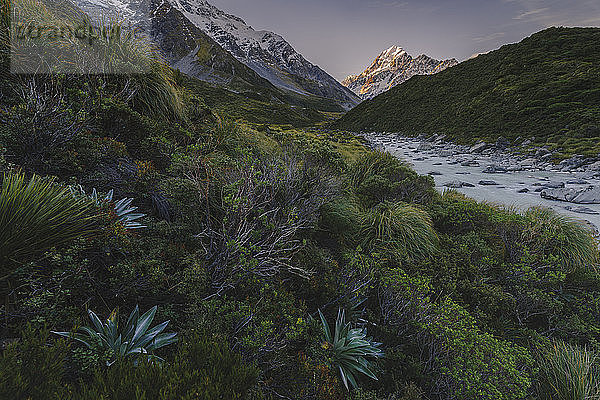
136, 340
353, 351
36, 214
122, 208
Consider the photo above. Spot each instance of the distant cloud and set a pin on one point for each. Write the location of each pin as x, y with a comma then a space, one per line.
489, 38
533, 14
548, 13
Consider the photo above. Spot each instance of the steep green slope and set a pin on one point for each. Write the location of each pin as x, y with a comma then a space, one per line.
547, 86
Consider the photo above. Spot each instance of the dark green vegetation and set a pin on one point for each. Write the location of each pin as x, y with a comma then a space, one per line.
249, 233
547, 87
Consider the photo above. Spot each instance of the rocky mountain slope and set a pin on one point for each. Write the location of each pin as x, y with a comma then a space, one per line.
206, 43
393, 67
267, 53
544, 88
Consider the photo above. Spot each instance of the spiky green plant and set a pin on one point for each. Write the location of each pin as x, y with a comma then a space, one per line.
36, 214
122, 208
400, 227
569, 373
134, 341
353, 351
551, 233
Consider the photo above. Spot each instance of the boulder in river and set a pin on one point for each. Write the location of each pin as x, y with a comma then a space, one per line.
581, 210
485, 182
454, 184
478, 147
434, 173
590, 195
494, 169
578, 182
424, 146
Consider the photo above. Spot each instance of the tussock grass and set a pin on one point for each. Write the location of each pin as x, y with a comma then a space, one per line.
553, 233
402, 228
37, 214
569, 373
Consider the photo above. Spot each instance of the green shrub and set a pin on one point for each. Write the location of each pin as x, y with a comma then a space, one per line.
38, 214
202, 370
464, 362
32, 368
568, 372
402, 228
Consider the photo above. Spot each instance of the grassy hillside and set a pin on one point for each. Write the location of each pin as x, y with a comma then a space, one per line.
547, 87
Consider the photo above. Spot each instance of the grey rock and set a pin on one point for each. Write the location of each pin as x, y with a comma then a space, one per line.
594, 167
578, 182
494, 169
487, 183
467, 184
425, 147
434, 173
582, 210
524, 190
470, 164
590, 195
454, 184
478, 147
553, 185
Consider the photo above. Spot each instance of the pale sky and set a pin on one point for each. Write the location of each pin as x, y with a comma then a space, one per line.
344, 36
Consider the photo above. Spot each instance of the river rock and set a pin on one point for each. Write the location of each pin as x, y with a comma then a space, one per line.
467, 184
446, 153
494, 169
594, 167
478, 147
582, 210
578, 182
454, 184
424, 146
484, 182
524, 190
590, 195
554, 185
469, 164
530, 162
434, 173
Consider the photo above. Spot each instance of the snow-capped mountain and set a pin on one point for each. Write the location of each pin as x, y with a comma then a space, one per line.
265, 52
392, 67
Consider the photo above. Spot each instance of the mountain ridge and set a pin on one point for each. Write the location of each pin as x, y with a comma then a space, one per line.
392, 67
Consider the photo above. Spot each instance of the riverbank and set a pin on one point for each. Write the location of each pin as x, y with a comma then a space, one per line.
512, 176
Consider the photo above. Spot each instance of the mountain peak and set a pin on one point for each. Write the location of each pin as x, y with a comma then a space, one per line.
392, 67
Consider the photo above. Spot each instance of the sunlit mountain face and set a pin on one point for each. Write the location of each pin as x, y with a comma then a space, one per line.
393, 67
